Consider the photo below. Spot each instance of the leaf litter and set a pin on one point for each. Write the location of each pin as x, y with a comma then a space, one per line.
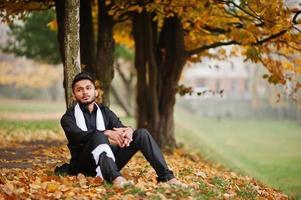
27, 172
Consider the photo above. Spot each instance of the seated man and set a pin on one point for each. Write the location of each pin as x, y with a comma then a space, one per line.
100, 144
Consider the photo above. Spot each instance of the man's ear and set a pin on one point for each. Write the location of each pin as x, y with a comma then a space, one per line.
96, 93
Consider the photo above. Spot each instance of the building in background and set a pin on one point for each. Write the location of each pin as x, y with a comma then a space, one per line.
245, 93
234, 77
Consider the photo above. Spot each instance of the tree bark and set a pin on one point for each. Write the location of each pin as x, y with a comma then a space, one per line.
105, 52
101, 67
60, 18
159, 64
172, 60
140, 66
87, 44
71, 46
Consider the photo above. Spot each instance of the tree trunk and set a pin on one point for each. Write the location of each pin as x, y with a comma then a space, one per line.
60, 18
172, 60
102, 66
159, 64
121, 102
87, 44
127, 82
105, 52
145, 64
138, 32
71, 46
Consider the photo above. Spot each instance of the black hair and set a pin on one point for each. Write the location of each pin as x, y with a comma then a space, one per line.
82, 76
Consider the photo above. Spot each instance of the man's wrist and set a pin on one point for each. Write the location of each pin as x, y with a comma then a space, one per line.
107, 133
131, 128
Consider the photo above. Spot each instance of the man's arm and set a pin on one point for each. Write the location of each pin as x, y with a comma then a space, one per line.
114, 121
74, 134
117, 131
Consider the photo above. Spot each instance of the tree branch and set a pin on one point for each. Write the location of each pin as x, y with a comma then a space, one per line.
35, 5
245, 11
296, 16
270, 37
289, 45
206, 47
297, 29
215, 29
218, 44
126, 82
120, 101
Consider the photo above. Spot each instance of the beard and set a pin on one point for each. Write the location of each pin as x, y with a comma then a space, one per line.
88, 102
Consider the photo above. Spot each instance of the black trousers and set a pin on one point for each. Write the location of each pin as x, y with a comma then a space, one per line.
142, 140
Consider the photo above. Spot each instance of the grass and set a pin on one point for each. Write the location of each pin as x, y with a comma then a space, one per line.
31, 106
267, 150
11, 125
248, 192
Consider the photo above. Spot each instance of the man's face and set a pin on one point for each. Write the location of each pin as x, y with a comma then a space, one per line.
84, 92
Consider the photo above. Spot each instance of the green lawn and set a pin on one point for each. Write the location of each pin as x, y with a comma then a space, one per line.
11, 125
19, 107
31, 106
264, 149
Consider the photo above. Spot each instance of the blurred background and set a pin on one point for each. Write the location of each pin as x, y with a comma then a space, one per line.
233, 116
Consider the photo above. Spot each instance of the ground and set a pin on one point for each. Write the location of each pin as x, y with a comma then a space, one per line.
27, 172
32, 146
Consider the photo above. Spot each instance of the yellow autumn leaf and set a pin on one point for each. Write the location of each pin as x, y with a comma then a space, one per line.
52, 187
287, 65
298, 69
52, 25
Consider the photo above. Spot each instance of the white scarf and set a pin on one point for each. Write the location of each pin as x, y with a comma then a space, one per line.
80, 119
81, 123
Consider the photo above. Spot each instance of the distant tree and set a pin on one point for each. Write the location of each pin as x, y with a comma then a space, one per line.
33, 38
124, 94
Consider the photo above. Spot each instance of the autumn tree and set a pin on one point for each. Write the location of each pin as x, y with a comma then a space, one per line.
97, 46
170, 33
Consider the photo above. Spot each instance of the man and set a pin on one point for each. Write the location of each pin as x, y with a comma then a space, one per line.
100, 144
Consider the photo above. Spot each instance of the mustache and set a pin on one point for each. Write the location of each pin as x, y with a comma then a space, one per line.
89, 102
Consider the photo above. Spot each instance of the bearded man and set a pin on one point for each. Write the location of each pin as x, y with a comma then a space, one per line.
100, 145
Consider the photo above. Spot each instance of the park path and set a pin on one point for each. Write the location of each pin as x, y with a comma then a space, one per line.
27, 154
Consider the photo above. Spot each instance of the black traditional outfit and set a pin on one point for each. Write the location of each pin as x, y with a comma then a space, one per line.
91, 152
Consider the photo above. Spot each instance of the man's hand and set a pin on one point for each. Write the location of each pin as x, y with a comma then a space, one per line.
127, 134
115, 137
120, 136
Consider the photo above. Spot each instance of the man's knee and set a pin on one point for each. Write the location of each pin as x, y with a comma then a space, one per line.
142, 133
